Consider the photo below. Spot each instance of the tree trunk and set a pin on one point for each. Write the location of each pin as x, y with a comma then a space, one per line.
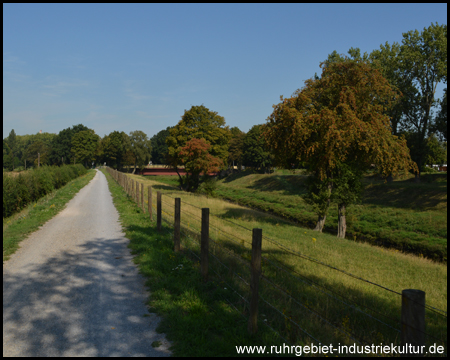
180, 179
417, 178
320, 223
342, 224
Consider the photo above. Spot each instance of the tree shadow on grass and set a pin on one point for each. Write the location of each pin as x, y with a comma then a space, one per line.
165, 187
288, 184
238, 175
407, 195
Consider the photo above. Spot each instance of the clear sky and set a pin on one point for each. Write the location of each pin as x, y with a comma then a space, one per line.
133, 67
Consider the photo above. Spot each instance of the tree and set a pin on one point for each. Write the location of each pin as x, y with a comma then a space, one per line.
197, 123
347, 190
35, 148
84, 146
436, 152
7, 158
159, 146
62, 144
337, 124
440, 121
255, 152
140, 147
387, 59
113, 148
12, 144
196, 159
235, 147
424, 57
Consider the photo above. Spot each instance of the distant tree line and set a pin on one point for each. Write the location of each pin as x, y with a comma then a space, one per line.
76, 145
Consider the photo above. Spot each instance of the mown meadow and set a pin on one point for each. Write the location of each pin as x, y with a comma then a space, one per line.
354, 286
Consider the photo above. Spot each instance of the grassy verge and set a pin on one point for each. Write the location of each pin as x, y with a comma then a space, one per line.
18, 226
347, 303
196, 318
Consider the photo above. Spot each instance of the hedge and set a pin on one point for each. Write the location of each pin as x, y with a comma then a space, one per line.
31, 185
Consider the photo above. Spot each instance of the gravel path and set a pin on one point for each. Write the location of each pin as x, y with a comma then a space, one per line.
72, 289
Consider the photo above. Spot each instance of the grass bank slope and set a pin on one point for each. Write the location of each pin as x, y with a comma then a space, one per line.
402, 214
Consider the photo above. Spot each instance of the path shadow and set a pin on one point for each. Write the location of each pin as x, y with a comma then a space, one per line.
88, 302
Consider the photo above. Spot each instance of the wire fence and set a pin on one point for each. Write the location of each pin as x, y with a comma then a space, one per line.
296, 308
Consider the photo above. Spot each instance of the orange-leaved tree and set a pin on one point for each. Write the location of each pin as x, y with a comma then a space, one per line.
196, 159
335, 124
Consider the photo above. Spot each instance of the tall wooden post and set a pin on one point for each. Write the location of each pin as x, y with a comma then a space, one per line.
254, 283
177, 225
137, 193
413, 322
150, 209
204, 256
132, 189
158, 210
142, 198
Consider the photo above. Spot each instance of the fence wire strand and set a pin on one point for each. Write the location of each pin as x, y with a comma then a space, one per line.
288, 271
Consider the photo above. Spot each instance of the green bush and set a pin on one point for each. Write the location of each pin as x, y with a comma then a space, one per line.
208, 186
31, 185
429, 170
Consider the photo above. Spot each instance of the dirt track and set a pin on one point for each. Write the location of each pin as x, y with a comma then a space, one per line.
72, 289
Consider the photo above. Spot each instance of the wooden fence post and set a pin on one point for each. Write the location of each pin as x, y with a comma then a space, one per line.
137, 193
132, 189
177, 225
204, 256
150, 208
413, 321
254, 283
142, 198
158, 210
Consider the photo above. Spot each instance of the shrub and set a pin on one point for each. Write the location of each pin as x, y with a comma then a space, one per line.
31, 185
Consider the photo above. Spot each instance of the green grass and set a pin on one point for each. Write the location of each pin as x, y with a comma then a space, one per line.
18, 226
389, 268
196, 318
403, 215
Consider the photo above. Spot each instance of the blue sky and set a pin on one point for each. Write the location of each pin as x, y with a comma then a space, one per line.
133, 67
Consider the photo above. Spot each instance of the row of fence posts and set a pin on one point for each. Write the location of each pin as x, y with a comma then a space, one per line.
413, 301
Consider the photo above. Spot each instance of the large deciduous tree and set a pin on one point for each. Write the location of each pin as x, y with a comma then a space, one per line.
196, 159
62, 144
337, 124
84, 146
198, 123
235, 147
424, 59
255, 151
140, 147
113, 148
159, 146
